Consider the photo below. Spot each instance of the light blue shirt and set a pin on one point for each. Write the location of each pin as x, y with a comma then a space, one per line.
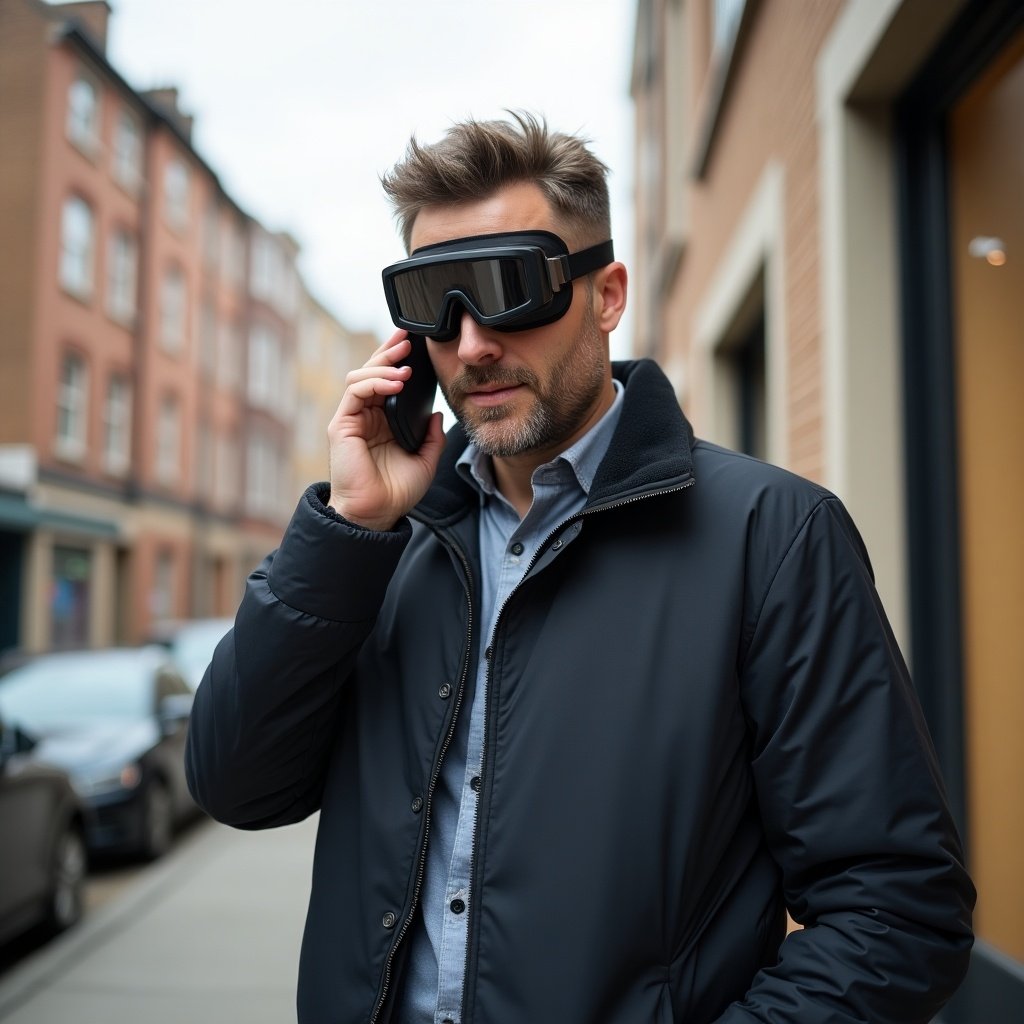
437, 961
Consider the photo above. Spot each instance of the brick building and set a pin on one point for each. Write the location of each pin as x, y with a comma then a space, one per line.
148, 333
830, 250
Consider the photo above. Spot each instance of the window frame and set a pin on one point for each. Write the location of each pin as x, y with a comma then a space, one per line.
76, 269
71, 435
117, 425
84, 135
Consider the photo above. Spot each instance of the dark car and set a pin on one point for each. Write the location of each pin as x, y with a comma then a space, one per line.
42, 848
116, 721
191, 643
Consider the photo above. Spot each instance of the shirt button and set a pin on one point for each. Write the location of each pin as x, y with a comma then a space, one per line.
457, 906
517, 548
417, 804
475, 783
444, 691
389, 920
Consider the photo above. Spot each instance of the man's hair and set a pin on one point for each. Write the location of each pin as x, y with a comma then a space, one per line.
475, 159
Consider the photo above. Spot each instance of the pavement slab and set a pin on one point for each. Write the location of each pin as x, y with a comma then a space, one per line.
211, 935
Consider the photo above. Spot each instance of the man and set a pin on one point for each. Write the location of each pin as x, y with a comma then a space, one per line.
585, 704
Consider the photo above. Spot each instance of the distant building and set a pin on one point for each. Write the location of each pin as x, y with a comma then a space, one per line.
830, 234
148, 344
327, 352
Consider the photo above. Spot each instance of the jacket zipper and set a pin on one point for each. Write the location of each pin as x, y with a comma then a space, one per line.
541, 548
421, 866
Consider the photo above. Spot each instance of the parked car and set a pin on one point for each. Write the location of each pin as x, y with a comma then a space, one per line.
42, 845
116, 721
191, 643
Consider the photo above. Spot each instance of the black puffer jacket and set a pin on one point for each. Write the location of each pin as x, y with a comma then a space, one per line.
697, 716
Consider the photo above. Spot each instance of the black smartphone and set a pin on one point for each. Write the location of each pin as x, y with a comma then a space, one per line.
410, 410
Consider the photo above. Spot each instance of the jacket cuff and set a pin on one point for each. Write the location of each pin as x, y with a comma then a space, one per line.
331, 568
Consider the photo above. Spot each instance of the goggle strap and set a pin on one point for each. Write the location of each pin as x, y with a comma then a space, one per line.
578, 264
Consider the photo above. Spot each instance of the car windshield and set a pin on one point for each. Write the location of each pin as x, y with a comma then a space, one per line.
193, 645
67, 689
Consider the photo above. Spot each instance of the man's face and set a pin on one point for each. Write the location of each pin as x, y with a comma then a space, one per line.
521, 392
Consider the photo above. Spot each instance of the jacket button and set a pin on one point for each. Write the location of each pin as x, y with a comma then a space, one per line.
488, 653
444, 691
417, 804
517, 548
556, 545
457, 906
389, 920
475, 783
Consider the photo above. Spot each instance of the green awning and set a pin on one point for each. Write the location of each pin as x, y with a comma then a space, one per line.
20, 515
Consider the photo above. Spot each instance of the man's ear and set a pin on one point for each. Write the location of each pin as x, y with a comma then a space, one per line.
610, 296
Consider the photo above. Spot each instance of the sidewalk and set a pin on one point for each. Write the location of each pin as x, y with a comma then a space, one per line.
212, 935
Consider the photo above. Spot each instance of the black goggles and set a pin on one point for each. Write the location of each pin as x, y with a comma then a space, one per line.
510, 281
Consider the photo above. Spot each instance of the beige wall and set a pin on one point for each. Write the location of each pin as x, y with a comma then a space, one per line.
986, 172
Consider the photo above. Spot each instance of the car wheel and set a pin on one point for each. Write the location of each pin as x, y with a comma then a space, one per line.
67, 886
157, 821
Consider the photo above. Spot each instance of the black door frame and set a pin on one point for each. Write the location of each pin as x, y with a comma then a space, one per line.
994, 982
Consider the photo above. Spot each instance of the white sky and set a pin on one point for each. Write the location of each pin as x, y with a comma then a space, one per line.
300, 106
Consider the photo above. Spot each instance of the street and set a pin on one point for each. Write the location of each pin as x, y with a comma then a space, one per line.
211, 932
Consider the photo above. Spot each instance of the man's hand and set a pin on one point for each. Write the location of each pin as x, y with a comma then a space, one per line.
374, 481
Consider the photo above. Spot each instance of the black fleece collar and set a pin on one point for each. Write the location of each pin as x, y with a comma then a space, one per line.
651, 449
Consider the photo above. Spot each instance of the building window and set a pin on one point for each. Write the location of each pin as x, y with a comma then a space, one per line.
211, 237
740, 379
309, 338
117, 417
173, 302
176, 194
264, 367
78, 246
229, 352
232, 257
208, 339
72, 407
168, 442
748, 360
122, 262
127, 154
69, 597
266, 267
162, 599
311, 430
83, 122
205, 455
263, 472
226, 473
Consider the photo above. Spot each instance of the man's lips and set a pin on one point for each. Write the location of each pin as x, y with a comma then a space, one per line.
492, 394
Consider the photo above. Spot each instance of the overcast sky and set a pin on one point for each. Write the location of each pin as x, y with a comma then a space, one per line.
301, 105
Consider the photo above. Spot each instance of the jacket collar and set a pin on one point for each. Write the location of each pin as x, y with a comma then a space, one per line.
650, 450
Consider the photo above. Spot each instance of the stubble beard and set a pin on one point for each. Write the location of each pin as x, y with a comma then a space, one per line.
558, 406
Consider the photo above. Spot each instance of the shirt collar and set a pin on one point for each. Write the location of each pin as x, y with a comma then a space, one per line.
583, 457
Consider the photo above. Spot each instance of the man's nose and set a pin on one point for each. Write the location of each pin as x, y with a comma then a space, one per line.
477, 345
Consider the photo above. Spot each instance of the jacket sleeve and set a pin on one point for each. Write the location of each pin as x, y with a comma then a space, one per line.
851, 799
268, 708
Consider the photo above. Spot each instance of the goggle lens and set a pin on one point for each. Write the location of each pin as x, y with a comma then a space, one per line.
509, 281
493, 286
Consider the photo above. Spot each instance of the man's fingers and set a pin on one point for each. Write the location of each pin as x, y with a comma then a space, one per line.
395, 348
360, 393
